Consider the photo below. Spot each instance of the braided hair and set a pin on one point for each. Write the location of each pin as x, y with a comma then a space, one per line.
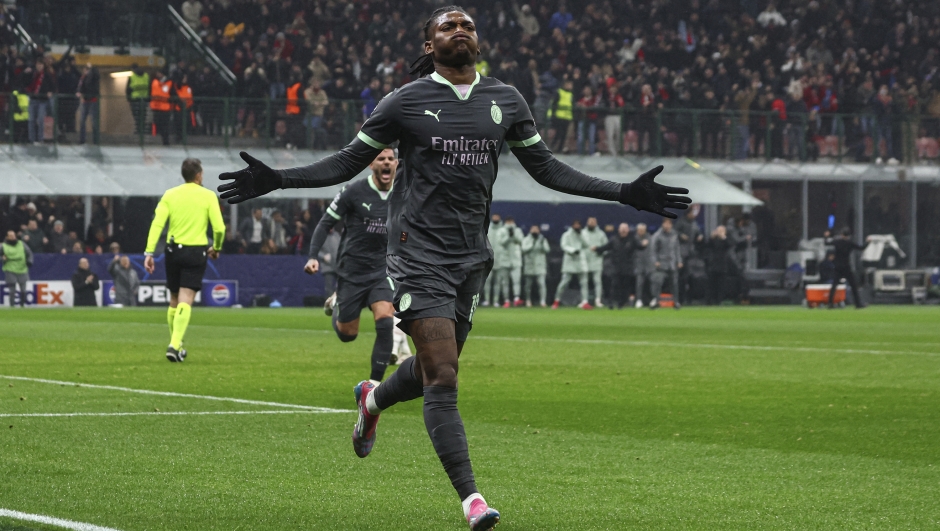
424, 65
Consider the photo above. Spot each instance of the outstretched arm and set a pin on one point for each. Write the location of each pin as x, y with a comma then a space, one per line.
258, 179
642, 194
541, 164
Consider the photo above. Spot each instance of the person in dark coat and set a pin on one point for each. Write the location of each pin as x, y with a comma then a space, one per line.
85, 283
621, 248
843, 267
718, 264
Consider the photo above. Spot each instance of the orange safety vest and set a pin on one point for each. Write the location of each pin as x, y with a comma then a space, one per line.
185, 95
160, 95
293, 107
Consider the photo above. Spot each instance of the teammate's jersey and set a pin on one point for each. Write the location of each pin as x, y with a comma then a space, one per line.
190, 208
364, 211
439, 208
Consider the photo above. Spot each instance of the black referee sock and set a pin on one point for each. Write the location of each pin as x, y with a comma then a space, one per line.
445, 427
382, 348
403, 385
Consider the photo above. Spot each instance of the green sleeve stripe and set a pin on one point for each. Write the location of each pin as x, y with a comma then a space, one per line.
525, 143
334, 214
369, 140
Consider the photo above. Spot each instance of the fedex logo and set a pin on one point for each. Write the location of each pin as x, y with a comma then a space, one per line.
46, 294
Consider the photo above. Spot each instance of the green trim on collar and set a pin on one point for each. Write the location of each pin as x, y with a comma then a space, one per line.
440, 79
383, 195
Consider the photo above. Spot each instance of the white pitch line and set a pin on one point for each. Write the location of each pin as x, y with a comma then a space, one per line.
673, 345
180, 395
51, 520
171, 413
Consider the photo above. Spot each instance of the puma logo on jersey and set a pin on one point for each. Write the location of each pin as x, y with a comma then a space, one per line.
434, 114
368, 206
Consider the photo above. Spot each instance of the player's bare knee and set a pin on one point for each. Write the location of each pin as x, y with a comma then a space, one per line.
442, 374
347, 332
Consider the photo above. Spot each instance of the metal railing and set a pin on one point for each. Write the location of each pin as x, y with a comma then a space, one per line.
256, 122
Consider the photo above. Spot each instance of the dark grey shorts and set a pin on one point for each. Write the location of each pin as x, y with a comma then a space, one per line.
353, 297
425, 290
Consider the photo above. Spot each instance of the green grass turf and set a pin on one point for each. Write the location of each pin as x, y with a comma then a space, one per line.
728, 418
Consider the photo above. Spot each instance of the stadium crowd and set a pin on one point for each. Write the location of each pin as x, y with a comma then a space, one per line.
745, 78
781, 72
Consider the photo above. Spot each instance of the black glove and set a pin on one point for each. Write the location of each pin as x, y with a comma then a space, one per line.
254, 181
645, 194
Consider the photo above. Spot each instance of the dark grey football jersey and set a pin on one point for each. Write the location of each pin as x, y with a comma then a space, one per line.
448, 150
364, 211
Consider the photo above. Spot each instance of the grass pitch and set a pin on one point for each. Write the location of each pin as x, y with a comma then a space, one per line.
729, 418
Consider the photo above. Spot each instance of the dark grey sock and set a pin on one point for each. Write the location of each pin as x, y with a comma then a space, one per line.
445, 428
382, 348
403, 385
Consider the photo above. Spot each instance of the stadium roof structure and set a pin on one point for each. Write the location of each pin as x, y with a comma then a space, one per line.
148, 172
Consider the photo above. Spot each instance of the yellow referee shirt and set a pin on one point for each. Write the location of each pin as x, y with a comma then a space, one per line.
191, 208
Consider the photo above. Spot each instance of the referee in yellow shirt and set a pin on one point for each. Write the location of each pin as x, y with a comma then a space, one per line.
190, 208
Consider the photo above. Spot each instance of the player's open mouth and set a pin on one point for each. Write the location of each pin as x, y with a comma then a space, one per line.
386, 171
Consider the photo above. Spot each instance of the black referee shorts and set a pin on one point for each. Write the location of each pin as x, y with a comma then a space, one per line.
352, 297
425, 290
185, 266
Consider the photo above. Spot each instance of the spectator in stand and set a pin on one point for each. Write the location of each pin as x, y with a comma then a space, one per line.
77, 248
126, 281
191, 13
560, 19
883, 106
770, 17
527, 21
614, 103
66, 104
34, 237
231, 245
254, 231
278, 231
317, 101
59, 242
370, 97
85, 284
17, 259
40, 89
89, 90
587, 121
647, 118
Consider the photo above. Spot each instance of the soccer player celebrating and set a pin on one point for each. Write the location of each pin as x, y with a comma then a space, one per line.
363, 282
451, 125
190, 208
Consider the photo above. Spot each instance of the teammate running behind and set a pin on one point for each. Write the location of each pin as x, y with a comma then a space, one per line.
362, 280
190, 208
451, 123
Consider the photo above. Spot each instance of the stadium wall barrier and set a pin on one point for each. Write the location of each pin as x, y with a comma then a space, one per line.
279, 277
